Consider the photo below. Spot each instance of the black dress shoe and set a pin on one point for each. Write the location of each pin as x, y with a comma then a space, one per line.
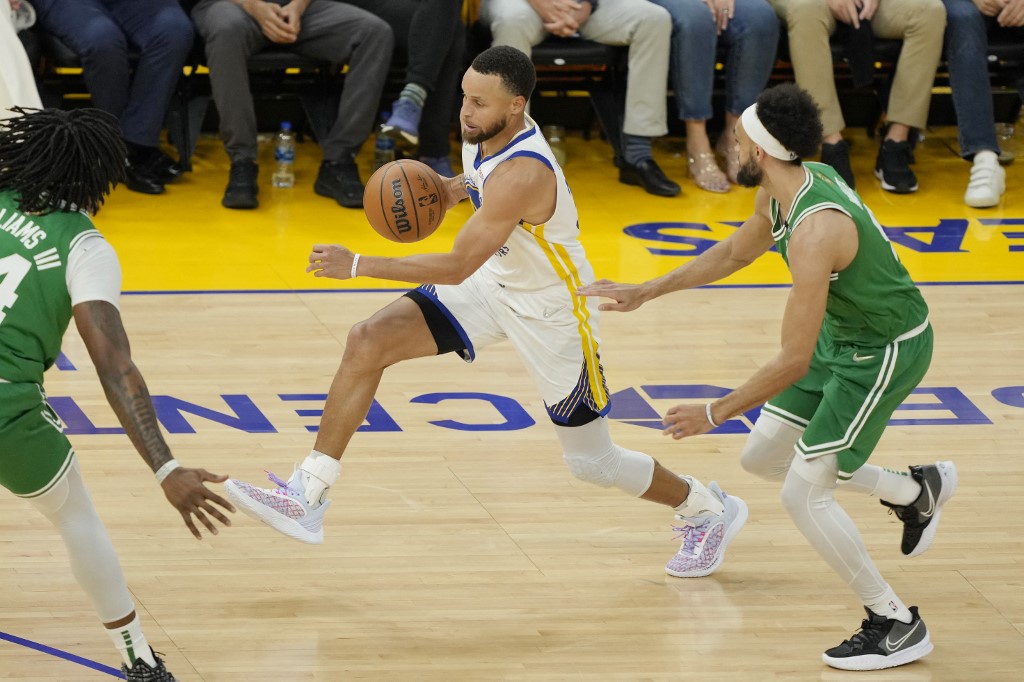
166, 169
139, 178
340, 181
646, 174
242, 188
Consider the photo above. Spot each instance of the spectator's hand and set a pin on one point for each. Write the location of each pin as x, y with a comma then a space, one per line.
185, 490
554, 11
721, 12
292, 14
867, 9
626, 296
846, 11
271, 19
990, 8
1012, 14
330, 260
686, 420
569, 23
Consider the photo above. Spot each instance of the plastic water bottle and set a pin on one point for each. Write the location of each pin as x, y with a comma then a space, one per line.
383, 148
284, 156
1006, 132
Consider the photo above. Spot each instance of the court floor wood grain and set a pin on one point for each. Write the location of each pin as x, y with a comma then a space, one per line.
458, 554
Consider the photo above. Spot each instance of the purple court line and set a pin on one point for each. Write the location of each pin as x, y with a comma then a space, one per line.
113, 672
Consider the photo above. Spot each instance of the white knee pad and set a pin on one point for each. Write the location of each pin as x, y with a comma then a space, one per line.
592, 456
770, 447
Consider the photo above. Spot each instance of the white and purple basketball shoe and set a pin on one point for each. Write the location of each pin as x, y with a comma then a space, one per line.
284, 509
706, 537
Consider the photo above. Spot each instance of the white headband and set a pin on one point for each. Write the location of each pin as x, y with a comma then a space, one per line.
760, 136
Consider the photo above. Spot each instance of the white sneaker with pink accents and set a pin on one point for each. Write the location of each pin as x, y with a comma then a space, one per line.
706, 537
284, 509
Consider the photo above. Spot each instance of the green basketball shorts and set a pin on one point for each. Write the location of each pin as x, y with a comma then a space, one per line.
845, 400
34, 452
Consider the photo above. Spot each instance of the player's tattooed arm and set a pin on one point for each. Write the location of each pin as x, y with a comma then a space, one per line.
100, 326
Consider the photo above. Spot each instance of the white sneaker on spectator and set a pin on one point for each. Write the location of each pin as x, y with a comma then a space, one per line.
987, 183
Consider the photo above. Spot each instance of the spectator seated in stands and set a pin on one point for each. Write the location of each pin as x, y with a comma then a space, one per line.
100, 33
643, 26
919, 23
750, 29
967, 25
432, 35
324, 30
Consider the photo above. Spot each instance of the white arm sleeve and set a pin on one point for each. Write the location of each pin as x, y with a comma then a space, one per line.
94, 273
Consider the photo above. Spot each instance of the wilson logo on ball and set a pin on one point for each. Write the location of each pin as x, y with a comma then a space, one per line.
398, 208
404, 201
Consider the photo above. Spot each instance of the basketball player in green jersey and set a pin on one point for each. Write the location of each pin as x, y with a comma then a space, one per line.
855, 343
56, 168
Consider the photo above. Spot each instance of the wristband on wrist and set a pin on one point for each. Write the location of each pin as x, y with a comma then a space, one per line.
707, 412
355, 265
165, 471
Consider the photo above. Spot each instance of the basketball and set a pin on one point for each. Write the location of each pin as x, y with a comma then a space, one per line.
402, 201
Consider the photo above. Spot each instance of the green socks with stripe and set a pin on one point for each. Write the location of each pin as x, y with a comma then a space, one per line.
131, 643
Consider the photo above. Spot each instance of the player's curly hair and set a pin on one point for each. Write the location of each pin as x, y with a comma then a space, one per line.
515, 68
791, 116
57, 160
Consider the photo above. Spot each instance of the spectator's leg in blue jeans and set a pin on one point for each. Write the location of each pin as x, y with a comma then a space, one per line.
967, 56
753, 39
163, 34
88, 28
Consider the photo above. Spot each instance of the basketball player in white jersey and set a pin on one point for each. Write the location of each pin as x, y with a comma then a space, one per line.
512, 274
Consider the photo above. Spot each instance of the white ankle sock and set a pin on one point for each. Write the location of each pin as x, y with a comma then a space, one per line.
895, 487
891, 606
131, 643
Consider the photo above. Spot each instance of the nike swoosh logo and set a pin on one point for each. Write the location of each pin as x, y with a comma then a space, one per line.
931, 502
861, 358
891, 646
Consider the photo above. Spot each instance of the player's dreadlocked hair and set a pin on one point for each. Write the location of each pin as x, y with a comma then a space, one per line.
58, 160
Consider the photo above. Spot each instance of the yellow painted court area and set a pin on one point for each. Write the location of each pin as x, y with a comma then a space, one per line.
185, 240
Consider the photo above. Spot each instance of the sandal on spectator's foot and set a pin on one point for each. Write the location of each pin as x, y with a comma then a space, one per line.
705, 172
731, 155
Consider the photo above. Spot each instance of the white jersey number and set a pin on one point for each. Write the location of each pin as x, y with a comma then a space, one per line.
13, 269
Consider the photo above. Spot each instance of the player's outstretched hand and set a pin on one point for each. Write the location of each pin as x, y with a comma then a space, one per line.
626, 296
331, 260
186, 490
686, 420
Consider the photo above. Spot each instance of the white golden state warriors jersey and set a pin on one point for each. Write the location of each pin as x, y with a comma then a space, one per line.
535, 256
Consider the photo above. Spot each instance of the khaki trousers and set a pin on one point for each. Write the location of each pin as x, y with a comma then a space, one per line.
919, 23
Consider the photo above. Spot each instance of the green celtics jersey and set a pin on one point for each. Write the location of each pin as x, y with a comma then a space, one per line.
873, 300
35, 306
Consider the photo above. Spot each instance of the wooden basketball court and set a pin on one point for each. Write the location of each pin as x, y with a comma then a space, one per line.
459, 547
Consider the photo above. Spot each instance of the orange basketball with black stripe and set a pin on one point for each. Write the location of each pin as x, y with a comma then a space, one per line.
403, 201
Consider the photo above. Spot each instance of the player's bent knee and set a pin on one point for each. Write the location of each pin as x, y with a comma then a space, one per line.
597, 470
769, 449
592, 456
